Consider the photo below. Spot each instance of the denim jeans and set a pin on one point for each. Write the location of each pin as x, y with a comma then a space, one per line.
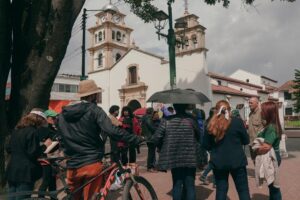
184, 177
206, 172
240, 179
274, 192
19, 187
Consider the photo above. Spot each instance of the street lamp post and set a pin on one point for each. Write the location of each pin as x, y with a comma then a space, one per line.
161, 16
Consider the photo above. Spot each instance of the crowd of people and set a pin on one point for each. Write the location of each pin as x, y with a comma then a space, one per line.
180, 134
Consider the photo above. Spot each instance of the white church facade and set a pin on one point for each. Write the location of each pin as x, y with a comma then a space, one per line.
128, 75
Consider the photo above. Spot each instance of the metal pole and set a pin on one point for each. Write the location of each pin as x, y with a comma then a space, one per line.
171, 43
83, 77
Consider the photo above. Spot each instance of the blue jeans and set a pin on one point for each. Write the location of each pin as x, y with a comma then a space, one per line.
240, 179
206, 172
184, 178
275, 193
19, 187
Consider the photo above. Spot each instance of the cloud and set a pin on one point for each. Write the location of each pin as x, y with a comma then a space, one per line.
263, 38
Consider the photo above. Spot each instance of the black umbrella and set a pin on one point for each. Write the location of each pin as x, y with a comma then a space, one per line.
184, 96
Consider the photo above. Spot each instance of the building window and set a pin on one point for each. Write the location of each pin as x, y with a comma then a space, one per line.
100, 59
118, 56
132, 75
241, 89
186, 42
287, 96
219, 82
55, 88
96, 38
58, 87
247, 80
100, 36
194, 40
103, 35
288, 111
113, 35
118, 36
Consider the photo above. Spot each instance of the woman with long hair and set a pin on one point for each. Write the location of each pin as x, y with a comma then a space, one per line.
23, 168
271, 134
225, 137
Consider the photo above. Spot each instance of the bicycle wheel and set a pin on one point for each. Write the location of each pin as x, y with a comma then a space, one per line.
142, 190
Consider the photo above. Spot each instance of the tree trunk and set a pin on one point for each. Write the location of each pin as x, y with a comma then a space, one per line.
5, 54
41, 30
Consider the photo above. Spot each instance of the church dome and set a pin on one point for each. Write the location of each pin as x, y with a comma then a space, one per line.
110, 7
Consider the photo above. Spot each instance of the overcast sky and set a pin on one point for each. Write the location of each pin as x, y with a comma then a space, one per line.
263, 38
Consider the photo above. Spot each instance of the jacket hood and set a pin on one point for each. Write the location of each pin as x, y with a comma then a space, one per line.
74, 112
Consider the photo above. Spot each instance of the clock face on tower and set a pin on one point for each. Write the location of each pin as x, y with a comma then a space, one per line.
116, 18
103, 19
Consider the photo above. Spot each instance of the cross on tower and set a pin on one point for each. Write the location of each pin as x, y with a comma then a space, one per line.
186, 7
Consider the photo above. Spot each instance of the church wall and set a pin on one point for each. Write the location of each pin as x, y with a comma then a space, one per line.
191, 71
149, 71
243, 76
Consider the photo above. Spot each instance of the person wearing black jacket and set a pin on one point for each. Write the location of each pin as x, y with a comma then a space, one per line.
25, 148
82, 126
179, 136
225, 137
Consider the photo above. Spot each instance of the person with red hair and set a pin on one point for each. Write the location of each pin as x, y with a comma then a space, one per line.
224, 137
271, 133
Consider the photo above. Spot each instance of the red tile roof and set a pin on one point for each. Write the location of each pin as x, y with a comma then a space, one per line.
233, 80
287, 86
227, 90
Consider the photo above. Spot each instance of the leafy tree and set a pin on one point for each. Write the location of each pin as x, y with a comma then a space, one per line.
296, 92
34, 35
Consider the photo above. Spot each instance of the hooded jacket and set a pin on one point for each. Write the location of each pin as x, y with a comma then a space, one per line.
82, 126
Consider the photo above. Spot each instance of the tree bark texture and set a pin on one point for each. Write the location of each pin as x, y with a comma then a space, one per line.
34, 35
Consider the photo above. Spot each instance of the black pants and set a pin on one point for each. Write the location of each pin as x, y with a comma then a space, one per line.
132, 155
151, 155
114, 149
240, 179
49, 180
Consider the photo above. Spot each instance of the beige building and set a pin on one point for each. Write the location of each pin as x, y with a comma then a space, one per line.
129, 75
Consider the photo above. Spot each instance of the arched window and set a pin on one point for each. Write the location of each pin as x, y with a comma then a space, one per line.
103, 35
194, 41
119, 36
118, 56
186, 42
124, 38
100, 59
132, 75
113, 35
96, 38
100, 36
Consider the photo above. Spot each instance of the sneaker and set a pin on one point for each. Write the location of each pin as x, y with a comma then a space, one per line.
152, 170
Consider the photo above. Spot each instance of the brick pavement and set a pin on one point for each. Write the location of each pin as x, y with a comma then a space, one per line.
289, 180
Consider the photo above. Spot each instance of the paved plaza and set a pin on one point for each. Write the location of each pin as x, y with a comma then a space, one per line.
289, 179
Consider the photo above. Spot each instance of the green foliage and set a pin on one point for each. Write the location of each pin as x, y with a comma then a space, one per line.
296, 92
145, 10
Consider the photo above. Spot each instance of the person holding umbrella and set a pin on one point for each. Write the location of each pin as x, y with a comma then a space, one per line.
179, 135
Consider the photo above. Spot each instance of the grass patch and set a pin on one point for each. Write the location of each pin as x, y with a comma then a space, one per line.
292, 124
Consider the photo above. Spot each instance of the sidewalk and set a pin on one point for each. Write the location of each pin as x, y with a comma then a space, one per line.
289, 181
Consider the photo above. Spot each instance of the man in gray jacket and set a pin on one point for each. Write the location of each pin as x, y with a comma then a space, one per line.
81, 125
255, 124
